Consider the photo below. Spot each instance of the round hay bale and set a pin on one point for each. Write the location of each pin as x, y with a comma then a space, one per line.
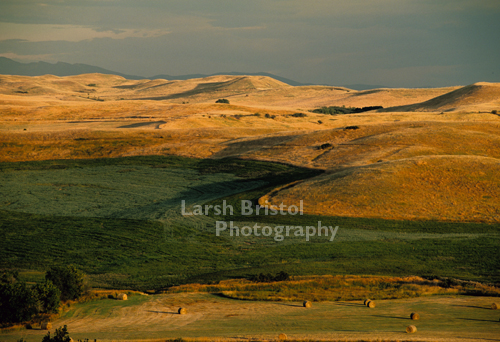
411, 329
307, 304
182, 311
282, 337
366, 301
415, 316
495, 306
122, 296
370, 304
46, 326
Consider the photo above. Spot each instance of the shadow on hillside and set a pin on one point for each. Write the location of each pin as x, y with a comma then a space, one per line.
350, 304
199, 89
296, 305
140, 124
387, 316
478, 320
472, 306
239, 147
163, 312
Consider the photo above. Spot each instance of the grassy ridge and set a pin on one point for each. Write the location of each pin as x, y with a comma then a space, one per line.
144, 254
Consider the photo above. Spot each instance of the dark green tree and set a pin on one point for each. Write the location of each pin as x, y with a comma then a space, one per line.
68, 280
49, 296
18, 302
60, 335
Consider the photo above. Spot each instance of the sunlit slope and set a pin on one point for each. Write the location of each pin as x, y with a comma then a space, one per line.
456, 188
111, 87
318, 96
477, 96
338, 148
244, 90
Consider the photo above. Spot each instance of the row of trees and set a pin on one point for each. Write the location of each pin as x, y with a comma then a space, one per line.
267, 278
20, 302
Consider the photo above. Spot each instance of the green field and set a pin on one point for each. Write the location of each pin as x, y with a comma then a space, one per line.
213, 317
119, 220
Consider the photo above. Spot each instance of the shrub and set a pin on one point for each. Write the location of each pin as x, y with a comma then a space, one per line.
222, 101
68, 280
267, 278
299, 115
60, 335
494, 111
324, 146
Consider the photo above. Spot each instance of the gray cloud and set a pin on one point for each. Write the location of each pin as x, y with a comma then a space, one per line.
397, 43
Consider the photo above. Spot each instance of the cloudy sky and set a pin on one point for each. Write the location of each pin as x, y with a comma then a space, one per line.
396, 43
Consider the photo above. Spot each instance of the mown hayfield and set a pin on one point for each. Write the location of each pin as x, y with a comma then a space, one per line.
213, 317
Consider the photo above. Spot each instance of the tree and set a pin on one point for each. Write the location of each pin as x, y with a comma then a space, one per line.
222, 101
49, 296
68, 280
18, 302
60, 335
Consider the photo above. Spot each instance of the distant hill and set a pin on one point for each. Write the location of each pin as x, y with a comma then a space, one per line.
11, 67
232, 73
364, 86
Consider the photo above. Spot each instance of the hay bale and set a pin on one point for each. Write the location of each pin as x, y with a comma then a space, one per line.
495, 306
411, 329
182, 311
282, 337
122, 296
307, 304
366, 301
370, 304
46, 326
415, 316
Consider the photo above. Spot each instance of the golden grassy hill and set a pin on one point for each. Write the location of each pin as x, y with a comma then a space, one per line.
96, 116
307, 97
54, 85
477, 96
450, 188
245, 90
338, 148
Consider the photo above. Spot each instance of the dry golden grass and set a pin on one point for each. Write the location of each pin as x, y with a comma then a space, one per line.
484, 94
96, 116
334, 288
453, 188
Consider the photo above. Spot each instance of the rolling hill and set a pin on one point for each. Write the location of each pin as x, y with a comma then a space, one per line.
480, 95
100, 115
